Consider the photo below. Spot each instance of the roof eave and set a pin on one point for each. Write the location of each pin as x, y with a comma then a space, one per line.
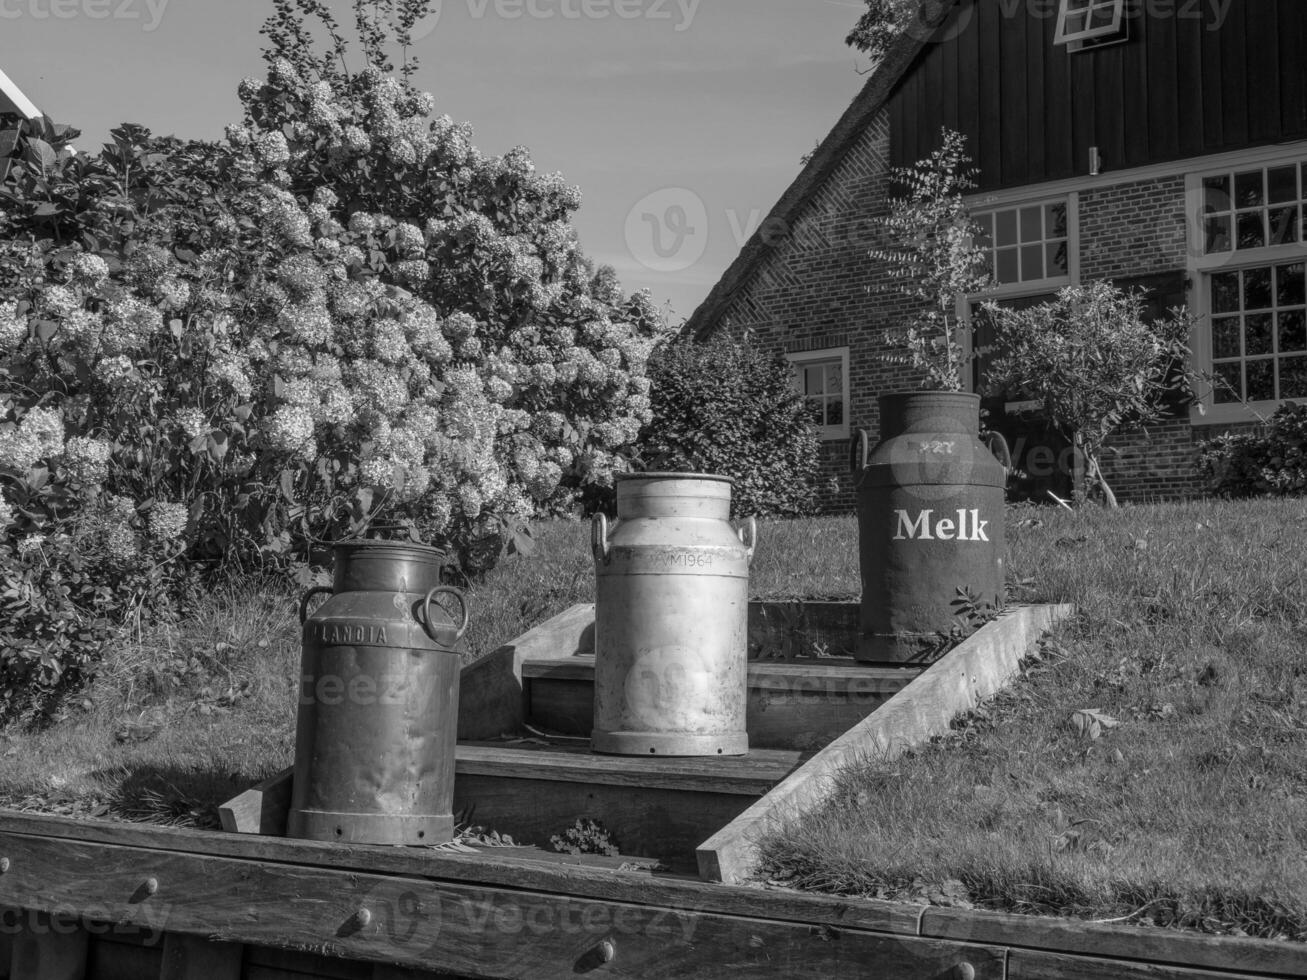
850, 127
12, 99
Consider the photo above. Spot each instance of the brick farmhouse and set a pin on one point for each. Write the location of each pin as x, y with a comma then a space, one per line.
1160, 144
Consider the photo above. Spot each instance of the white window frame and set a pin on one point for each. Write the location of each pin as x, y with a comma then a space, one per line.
1077, 40
803, 359
1202, 266
993, 205
1017, 290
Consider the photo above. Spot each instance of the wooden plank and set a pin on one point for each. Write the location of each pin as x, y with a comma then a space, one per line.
261, 809
1121, 942
747, 775
197, 958
47, 947
1026, 964
383, 971
1162, 83
1189, 84
463, 929
803, 714
987, 151
1036, 137
1061, 161
647, 823
969, 80
1013, 110
8, 926
829, 674
490, 696
976, 669
1292, 83
1234, 76
1263, 54
495, 867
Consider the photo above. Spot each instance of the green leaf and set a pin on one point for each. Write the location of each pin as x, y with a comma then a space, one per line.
40, 154
9, 141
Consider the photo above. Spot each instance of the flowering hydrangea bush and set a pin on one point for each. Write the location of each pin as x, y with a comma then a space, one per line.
343, 320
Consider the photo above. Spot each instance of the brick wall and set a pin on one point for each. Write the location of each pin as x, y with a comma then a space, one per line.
818, 288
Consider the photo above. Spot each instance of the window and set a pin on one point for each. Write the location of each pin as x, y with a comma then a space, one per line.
822, 378
1259, 333
1027, 244
1083, 24
1246, 209
1249, 268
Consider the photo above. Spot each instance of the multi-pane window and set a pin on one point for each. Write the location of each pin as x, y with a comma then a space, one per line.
822, 380
1027, 243
1247, 209
1259, 332
1092, 21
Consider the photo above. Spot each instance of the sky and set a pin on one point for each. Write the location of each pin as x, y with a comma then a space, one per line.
682, 121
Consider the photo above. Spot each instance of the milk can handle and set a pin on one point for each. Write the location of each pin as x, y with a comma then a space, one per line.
462, 604
599, 537
304, 603
998, 446
859, 451
750, 541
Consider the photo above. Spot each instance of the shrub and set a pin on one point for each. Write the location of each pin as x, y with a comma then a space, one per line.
728, 408
1247, 465
343, 321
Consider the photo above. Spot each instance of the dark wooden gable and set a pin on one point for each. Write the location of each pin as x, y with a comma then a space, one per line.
1180, 86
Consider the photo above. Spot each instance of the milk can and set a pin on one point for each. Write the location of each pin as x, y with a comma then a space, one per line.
378, 705
930, 522
671, 617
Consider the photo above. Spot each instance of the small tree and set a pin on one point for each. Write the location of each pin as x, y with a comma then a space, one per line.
1093, 363
933, 259
881, 23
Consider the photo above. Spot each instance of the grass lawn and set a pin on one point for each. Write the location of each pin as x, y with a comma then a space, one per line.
1189, 808
181, 719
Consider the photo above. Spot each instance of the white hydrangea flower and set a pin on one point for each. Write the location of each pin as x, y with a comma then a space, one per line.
167, 521
90, 269
13, 329
290, 429
86, 459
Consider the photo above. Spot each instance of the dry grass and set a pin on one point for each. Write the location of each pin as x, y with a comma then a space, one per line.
1193, 812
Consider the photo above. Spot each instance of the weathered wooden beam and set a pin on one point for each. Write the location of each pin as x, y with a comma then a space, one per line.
1026, 964
1260, 956
454, 927
492, 867
196, 958
48, 947
977, 668
490, 696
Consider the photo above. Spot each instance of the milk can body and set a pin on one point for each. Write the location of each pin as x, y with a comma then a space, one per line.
930, 522
378, 701
671, 618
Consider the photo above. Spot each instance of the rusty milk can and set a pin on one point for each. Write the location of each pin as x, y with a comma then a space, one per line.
671, 617
930, 522
378, 705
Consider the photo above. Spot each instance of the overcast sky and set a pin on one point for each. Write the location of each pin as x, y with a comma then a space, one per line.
681, 120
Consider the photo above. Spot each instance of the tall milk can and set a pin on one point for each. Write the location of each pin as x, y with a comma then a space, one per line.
930, 522
671, 619
378, 705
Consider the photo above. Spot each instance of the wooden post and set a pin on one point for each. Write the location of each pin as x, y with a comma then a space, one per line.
48, 948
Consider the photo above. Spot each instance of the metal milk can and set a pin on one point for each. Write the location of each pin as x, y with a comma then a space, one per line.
378, 705
671, 617
930, 522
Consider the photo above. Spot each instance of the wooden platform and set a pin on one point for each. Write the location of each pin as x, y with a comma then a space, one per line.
796, 704
238, 907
